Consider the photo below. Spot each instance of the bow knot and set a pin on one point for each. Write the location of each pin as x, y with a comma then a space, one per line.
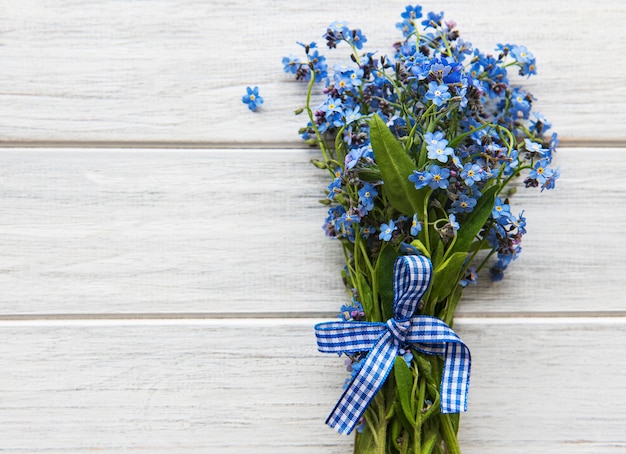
399, 330
429, 335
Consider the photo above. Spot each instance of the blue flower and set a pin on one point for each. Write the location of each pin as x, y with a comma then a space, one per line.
541, 172
471, 174
291, 64
554, 142
357, 38
525, 59
332, 105
356, 77
440, 151
470, 277
497, 270
500, 209
464, 204
439, 177
352, 115
252, 99
320, 67
520, 103
366, 197
406, 355
406, 27
352, 312
437, 93
433, 138
521, 54
452, 222
412, 12
416, 227
367, 230
511, 163
408, 249
334, 188
539, 124
421, 179
352, 366
340, 28
551, 179
364, 152
534, 147
342, 82
386, 230
433, 19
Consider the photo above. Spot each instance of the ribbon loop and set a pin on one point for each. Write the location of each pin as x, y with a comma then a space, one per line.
411, 280
429, 335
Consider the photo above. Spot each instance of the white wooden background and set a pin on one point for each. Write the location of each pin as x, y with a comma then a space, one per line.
162, 261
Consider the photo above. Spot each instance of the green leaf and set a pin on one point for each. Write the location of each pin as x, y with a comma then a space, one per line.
437, 247
404, 387
475, 220
447, 314
429, 441
395, 167
384, 277
420, 246
364, 442
457, 140
445, 276
369, 174
370, 307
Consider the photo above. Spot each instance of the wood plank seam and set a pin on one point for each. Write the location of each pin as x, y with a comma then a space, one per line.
211, 145
200, 316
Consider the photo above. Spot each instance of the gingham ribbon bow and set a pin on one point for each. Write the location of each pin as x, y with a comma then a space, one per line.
426, 334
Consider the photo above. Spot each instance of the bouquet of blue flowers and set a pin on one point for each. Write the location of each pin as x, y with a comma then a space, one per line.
423, 148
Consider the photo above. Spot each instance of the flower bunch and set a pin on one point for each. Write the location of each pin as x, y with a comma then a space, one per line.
423, 147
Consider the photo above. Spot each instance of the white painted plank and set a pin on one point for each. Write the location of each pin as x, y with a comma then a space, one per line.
164, 231
227, 231
551, 386
161, 70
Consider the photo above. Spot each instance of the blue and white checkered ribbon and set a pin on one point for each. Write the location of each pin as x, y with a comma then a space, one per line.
412, 275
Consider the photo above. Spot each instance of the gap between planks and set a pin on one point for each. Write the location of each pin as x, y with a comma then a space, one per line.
296, 318
192, 145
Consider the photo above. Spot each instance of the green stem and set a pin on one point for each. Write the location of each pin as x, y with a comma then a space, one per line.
309, 111
382, 434
429, 444
449, 435
417, 432
372, 428
484, 262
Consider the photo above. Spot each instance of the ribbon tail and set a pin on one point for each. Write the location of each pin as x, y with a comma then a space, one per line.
433, 337
357, 397
456, 378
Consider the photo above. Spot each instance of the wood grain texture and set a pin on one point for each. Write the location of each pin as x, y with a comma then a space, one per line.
164, 231
163, 70
226, 231
260, 386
